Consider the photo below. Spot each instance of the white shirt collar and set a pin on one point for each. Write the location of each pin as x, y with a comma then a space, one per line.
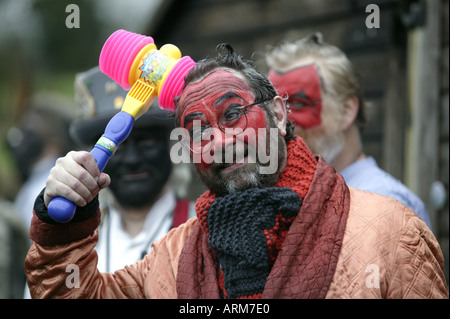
124, 250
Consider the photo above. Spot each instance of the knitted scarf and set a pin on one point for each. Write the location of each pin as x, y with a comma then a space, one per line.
240, 249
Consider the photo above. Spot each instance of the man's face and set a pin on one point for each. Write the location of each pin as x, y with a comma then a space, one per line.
220, 95
141, 167
302, 87
314, 113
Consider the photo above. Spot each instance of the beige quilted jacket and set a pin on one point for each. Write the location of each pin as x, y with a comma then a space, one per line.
387, 252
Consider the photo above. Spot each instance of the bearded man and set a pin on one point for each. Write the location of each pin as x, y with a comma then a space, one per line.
299, 232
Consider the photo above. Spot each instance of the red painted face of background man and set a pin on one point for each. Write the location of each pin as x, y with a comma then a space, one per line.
302, 86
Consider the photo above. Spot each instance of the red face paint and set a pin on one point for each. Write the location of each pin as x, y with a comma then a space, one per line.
207, 99
302, 86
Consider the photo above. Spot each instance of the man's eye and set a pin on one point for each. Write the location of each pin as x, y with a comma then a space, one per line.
298, 104
198, 133
232, 114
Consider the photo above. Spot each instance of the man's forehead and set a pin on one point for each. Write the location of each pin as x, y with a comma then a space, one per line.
217, 82
296, 77
222, 78
293, 69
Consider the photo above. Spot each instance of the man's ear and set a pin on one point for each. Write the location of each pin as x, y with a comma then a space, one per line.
351, 111
280, 112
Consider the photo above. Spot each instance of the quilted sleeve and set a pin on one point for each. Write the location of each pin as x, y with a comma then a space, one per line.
69, 270
418, 264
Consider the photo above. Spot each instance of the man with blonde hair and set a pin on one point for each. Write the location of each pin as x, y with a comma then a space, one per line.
327, 107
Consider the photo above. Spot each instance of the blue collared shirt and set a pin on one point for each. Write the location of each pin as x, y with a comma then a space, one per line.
366, 175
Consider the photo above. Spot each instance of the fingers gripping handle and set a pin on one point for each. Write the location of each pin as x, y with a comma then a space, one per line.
119, 127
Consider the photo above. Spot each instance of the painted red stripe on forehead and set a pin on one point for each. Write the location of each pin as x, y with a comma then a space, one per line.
302, 86
201, 96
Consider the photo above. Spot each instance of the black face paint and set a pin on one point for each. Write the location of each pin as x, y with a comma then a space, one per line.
141, 167
26, 146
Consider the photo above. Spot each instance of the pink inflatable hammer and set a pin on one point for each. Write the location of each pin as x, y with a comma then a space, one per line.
133, 61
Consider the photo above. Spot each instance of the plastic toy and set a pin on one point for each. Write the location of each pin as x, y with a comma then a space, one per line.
134, 62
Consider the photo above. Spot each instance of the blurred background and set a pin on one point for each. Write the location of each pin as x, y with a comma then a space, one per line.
404, 66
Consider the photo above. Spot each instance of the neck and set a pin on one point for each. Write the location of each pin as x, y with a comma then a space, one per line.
133, 218
352, 151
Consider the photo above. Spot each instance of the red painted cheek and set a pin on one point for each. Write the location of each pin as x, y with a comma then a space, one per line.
199, 160
305, 117
256, 118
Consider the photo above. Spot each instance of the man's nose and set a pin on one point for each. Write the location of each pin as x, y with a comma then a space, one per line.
130, 152
220, 142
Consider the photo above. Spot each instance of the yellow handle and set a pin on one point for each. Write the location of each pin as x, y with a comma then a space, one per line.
139, 99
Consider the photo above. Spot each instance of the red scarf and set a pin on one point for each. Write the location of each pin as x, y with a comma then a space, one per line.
293, 251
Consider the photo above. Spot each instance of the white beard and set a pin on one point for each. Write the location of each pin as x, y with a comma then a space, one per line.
329, 145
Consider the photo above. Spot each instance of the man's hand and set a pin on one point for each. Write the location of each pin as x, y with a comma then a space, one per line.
75, 177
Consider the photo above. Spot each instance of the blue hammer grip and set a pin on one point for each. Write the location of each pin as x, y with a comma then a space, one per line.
119, 127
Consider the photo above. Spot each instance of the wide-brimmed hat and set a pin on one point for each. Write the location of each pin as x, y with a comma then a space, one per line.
98, 99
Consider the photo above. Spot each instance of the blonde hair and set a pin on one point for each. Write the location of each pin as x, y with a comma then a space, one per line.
342, 79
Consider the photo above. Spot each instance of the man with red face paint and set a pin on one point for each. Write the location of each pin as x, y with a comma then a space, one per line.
328, 110
295, 232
